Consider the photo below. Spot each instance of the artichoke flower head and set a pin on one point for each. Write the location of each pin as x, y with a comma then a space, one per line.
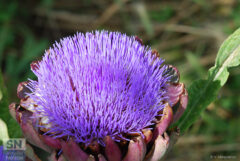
101, 96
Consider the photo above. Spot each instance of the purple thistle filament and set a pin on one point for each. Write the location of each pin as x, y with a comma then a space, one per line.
97, 84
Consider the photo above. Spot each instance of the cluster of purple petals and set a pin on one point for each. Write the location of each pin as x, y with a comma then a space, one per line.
97, 84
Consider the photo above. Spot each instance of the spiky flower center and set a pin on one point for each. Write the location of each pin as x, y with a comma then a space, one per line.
97, 84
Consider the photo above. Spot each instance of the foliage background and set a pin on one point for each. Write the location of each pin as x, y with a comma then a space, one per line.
186, 33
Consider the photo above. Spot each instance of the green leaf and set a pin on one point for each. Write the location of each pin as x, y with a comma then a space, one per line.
203, 92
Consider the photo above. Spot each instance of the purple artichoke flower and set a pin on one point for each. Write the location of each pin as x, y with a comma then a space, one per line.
100, 96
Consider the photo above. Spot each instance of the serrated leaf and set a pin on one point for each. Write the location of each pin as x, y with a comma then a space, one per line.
203, 92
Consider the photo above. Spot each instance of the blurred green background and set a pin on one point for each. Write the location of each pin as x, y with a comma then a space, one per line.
186, 33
